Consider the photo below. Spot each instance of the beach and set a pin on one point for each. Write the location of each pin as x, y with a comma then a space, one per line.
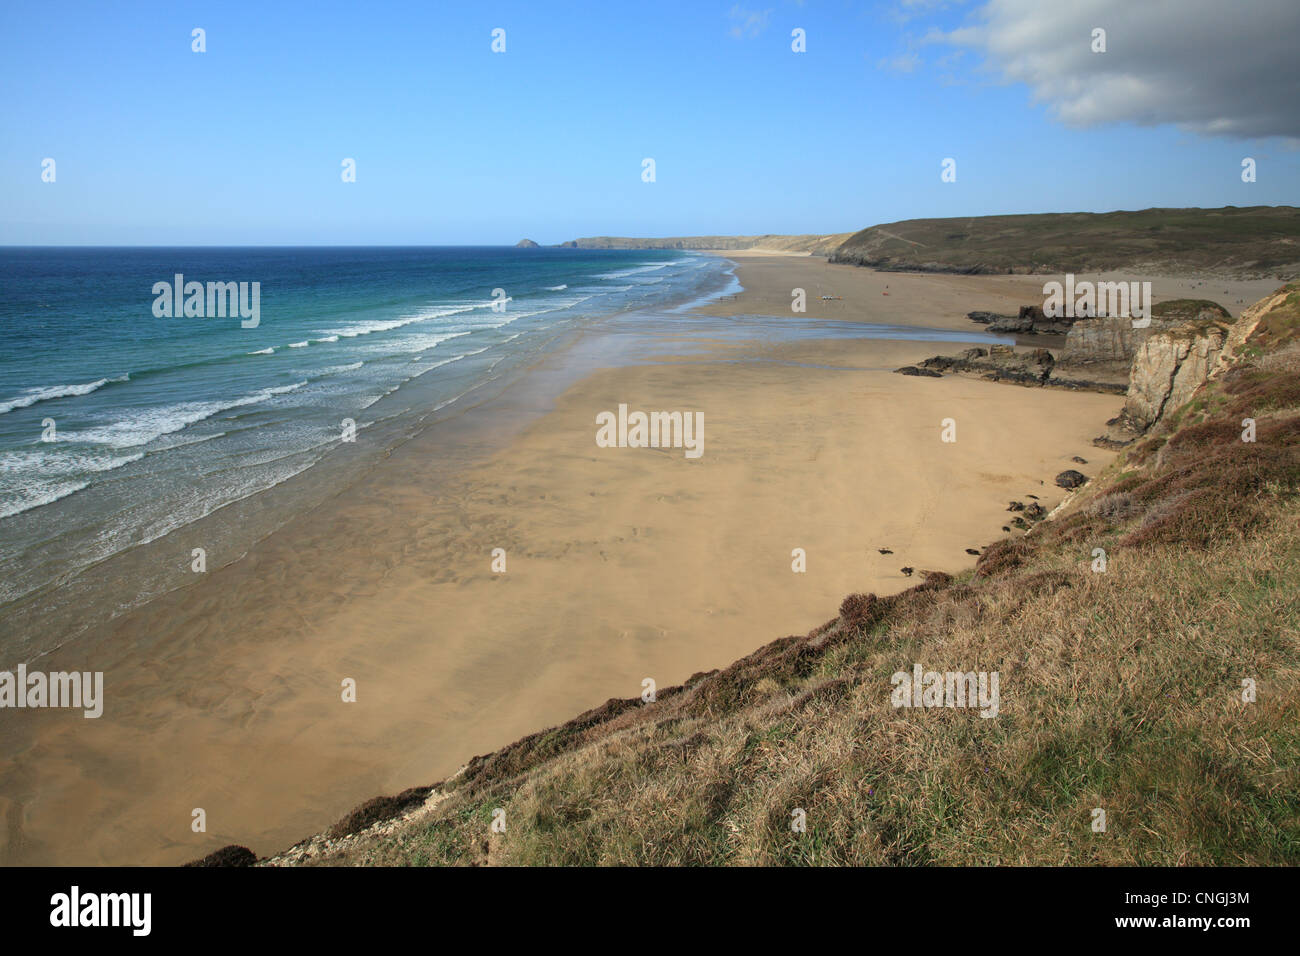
937, 300
621, 565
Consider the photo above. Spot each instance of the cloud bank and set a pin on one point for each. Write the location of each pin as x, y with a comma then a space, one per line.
1214, 67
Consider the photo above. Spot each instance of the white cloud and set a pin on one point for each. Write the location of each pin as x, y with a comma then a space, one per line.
1215, 67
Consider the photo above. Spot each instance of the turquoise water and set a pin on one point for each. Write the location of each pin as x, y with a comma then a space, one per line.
158, 421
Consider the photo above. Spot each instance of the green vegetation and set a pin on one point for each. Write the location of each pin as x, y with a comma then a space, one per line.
1250, 241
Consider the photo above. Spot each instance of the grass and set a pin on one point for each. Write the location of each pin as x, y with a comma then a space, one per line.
1255, 240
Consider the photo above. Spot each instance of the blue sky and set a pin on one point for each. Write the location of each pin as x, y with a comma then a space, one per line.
455, 144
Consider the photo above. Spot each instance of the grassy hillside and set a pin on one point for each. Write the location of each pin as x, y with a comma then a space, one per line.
1250, 241
1120, 689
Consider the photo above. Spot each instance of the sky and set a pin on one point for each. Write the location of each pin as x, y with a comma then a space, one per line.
244, 144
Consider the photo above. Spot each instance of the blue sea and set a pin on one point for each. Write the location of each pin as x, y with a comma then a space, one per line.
159, 421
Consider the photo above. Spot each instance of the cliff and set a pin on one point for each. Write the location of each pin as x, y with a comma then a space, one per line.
1168, 369
1111, 340
1173, 364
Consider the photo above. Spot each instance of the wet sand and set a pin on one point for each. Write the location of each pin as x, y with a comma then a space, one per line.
936, 300
622, 564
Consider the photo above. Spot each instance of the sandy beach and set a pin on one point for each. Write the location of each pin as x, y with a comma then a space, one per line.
622, 564
933, 299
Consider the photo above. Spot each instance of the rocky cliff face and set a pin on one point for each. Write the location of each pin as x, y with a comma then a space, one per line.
1170, 365
1274, 317
1112, 340
1158, 368
1108, 340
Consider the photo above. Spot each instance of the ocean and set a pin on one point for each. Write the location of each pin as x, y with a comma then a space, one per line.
121, 426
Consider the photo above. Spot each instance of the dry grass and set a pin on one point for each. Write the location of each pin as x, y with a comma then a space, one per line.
1119, 690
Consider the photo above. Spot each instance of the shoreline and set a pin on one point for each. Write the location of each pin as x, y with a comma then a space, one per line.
52, 589
622, 564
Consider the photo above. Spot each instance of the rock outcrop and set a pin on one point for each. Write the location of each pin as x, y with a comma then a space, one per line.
1108, 340
1030, 321
526, 244
1071, 479
1003, 363
998, 363
1161, 367
1172, 364
1113, 341
1285, 301
1168, 369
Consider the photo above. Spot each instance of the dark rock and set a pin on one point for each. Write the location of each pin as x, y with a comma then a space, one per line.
1016, 506
1012, 326
907, 571
1037, 367
1035, 512
1070, 479
1006, 528
884, 551
1080, 461
1111, 444
972, 551
232, 855
998, 363
913, 370
1029, 321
